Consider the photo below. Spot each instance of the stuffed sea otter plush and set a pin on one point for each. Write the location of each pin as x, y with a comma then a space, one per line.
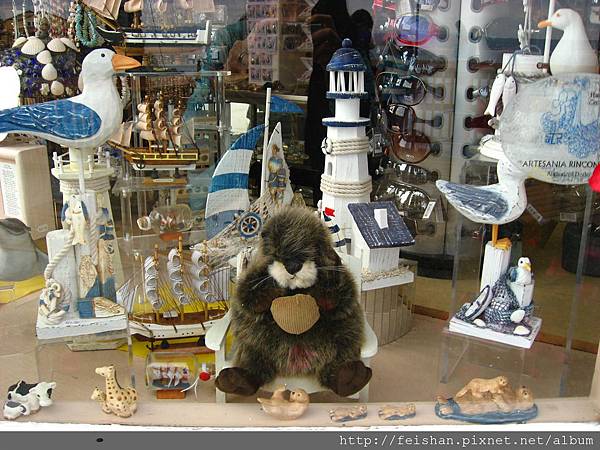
296, 311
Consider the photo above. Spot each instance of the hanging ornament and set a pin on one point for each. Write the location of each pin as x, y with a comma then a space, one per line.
85, 27
33, 46
44, 57
57, 88
19, 42
49, 73
56, 45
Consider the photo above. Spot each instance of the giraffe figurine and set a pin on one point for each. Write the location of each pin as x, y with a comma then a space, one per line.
117, 400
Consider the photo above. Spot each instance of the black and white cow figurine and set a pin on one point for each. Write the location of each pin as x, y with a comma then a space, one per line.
27, 398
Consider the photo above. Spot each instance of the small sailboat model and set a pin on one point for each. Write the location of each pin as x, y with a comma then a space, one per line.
233, 225
161, 129
180, 297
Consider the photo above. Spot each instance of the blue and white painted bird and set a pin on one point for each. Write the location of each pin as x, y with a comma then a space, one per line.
521, 273
84, 121
498, 203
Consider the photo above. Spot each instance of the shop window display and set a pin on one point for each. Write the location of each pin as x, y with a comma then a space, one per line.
413, 190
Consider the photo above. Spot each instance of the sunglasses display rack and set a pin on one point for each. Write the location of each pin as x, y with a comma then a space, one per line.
418, 41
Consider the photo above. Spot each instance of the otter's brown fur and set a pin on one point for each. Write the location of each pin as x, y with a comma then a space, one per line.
331, 348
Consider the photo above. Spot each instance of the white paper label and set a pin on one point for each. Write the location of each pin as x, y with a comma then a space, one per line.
429, 209
10, 191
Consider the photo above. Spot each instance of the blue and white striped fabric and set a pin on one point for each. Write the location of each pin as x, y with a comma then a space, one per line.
339, 241
228, 191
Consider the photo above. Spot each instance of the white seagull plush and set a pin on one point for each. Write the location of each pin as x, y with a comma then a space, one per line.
573, 53
86, 120
497, 204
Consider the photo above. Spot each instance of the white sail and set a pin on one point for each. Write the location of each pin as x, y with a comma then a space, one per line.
277, 174
151, 283
176, 277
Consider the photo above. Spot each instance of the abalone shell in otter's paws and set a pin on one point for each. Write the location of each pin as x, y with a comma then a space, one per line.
295, 314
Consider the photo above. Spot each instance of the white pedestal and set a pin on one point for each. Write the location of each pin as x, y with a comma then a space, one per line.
495, 263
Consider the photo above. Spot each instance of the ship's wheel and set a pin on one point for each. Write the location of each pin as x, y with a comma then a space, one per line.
139, 164
249, 225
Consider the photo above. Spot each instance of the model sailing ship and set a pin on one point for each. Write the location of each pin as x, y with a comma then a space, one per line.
182, 298
178, 298
161, 131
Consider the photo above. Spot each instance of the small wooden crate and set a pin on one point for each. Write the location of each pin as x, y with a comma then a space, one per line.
388, 311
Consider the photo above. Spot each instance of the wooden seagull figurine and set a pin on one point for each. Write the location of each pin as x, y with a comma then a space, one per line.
84, 121
495, 204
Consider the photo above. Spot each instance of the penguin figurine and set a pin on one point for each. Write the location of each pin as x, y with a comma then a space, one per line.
20, 259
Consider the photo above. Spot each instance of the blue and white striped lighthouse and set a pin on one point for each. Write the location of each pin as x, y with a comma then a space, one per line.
346, 177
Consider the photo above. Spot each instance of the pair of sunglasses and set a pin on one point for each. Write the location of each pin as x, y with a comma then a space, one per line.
408, 90
411, 60
410, 200
408, 173
413, 147
414, 29
402, 118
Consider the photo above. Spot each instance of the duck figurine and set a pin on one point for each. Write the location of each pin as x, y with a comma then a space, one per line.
495, 204
285, 404
573, 53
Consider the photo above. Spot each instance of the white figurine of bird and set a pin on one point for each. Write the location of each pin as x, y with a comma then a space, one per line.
522, 272
84, 121
497, 204
573, 53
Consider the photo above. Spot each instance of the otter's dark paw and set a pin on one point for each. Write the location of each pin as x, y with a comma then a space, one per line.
349, 378
235, 380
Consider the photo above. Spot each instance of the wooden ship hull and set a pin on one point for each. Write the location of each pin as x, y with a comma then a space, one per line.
143, 157
194, 324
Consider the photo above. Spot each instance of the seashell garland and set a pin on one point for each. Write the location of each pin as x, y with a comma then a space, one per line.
44, 57
56, 45
45, 89
57, 88
19, 42
49, 73
33, 46
69, 43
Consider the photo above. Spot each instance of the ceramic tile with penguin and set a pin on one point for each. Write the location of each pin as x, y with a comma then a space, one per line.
296, 311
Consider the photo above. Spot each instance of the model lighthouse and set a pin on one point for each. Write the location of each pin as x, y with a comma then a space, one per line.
346, 178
